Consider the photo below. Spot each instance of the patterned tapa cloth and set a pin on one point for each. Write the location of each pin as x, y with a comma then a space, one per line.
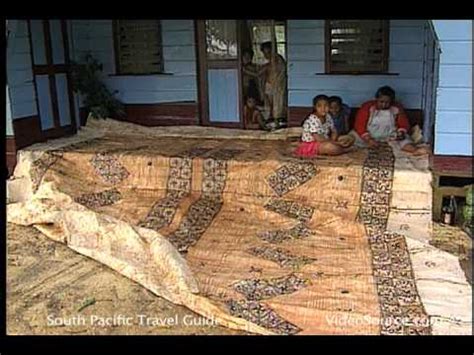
293, 246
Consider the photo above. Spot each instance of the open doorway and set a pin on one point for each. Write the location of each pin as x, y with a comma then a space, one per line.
242, 73
264, 74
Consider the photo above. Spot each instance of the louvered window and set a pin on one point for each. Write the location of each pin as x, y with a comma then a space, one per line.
138, 47
357, 46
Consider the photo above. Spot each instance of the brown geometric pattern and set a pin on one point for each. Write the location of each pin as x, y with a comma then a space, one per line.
180, 174
202, 212
280, 235
178, 186
341, 204
109, 168
401, 307
259, 289
162, 212
261, 315
41, 166
215, 175
99, 199
194, 224
282, 257
290, 209
290, 176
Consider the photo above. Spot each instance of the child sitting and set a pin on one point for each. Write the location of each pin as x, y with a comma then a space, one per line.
340, 114
252, 114
319, 134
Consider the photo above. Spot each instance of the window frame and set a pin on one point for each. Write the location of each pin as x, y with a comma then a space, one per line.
118, 71
385, 49
275, 23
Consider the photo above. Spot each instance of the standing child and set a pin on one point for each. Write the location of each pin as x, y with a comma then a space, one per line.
319, 134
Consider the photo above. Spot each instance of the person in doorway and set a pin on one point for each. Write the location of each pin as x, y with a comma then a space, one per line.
319, 133
383, 119
250, 72
274, 81
252, 114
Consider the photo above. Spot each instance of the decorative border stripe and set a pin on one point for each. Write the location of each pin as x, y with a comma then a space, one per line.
178, 186
401, 308
203, 211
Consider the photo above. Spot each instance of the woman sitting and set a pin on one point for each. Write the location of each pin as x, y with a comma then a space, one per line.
383, 119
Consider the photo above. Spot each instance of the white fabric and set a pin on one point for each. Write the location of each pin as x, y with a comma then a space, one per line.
381, 125
313, 125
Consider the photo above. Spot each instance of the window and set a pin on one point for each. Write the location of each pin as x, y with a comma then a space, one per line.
357, 46
138, 48
262, 31
221, 39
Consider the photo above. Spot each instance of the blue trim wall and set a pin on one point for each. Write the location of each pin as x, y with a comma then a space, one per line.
453, 125
178, 84
20, 73
306, 65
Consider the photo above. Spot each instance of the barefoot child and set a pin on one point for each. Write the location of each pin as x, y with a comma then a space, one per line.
319, 134
252, 114
340, 113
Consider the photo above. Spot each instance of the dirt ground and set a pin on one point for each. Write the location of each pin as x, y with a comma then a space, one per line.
455, 241
48, 284
53, 290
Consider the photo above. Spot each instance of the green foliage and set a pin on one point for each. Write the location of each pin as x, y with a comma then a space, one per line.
469, 196
98, 100
468, 214
468, 210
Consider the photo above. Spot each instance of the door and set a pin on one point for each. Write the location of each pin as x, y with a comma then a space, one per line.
237, 76
264, 72
50, 59
219, 73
